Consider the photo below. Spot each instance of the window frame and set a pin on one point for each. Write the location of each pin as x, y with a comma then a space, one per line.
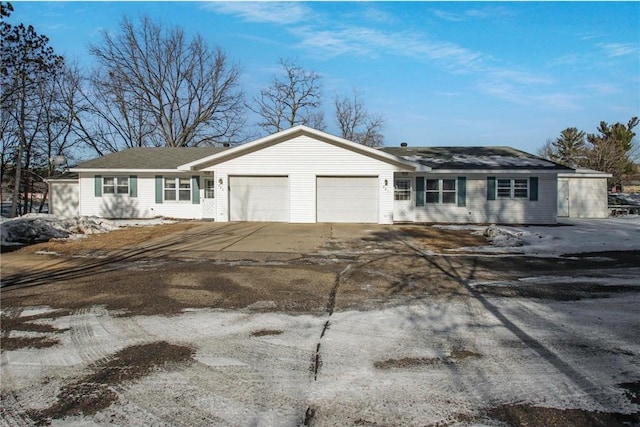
436, 194
116, 189
515, 188
177, 188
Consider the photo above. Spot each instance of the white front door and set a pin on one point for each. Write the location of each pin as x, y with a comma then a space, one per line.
402, 200
209, 200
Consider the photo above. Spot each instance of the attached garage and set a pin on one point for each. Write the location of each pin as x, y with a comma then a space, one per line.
259, 198
583, 194
347, 199
64, 195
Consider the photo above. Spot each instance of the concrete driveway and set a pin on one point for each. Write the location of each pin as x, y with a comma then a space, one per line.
215, 239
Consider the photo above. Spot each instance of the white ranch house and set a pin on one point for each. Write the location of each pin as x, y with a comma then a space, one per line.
302, 175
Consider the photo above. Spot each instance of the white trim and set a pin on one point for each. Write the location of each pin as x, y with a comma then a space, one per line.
585, 173
112, 171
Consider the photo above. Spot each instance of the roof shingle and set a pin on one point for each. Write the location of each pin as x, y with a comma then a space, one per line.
473, 158
150, 158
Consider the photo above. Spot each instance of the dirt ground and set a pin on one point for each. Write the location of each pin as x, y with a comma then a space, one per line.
135, 322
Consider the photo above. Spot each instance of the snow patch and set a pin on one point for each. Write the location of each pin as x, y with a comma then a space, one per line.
34, 228
571, 236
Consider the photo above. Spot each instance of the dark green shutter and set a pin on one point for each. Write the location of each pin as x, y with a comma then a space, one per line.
533, 188
491, 188
420, 191
462, 191
195, 190
98, 185
133, 186
159, 189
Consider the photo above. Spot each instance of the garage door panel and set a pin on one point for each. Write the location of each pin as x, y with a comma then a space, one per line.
347, 199
259, 198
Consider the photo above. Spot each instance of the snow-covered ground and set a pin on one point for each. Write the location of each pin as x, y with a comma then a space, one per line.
395, 366
570, 236
420, 363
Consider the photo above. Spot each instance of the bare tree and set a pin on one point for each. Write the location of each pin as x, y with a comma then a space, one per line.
29, 65
155, 88
291, 100
357, 124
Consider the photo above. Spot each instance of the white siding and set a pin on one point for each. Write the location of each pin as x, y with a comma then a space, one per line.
587, 196
124, 206
504, 211
303, 159
64, 198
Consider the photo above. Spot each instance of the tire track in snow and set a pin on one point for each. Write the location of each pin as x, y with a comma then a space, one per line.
89, 347
316, 360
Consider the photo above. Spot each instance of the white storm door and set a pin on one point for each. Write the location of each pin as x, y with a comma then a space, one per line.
209, 200
259, 198
402, 203
347, 199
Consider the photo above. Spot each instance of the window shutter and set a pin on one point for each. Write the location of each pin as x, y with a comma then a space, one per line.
420, 191
98, 185
491, 188
133, 186
533, 188
195, 190
159, 189
462, 191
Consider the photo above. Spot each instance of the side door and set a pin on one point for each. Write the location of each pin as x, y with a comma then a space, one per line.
209, 199
402, 200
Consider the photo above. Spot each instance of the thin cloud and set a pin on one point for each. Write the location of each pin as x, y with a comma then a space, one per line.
473, 14
374, 43
267, 12
560, 101
613, 50
604, 88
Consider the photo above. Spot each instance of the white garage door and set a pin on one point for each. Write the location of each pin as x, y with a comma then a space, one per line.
347, 199
259, 198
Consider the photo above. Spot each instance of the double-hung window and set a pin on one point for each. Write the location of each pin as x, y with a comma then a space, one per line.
177, 189
513, 188
115, 185
440, 191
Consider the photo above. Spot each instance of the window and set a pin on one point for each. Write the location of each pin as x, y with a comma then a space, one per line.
402, 190
440, 191
513, 188
177, 189
209, 188
115, 185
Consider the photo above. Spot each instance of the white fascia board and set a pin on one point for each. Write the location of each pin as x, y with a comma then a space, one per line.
295, 131
585, 173
48, 180
86, 170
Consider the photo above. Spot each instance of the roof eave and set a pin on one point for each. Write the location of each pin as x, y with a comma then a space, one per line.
122, 170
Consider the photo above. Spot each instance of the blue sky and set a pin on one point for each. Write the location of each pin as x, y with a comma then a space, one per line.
441, 73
